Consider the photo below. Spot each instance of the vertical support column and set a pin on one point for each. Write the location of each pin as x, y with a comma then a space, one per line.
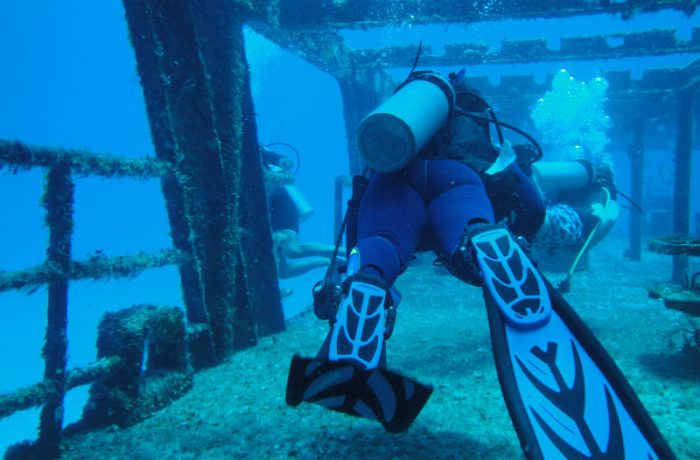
247, 247
681, 192
636, 157
58, 201
165, 82
191, 60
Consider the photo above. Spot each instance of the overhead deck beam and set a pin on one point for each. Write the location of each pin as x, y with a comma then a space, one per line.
622, 85
316, 38
359, 14
653, 97
613, 46
325, 49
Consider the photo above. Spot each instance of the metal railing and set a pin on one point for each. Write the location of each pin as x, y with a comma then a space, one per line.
126, 339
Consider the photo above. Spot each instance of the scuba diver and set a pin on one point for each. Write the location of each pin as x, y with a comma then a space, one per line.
441, 183
581, 205
288, 208
581, 201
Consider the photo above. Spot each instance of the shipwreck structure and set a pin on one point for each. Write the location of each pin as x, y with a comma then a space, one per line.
191, 61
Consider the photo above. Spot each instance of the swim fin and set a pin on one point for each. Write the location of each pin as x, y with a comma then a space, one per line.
378, 394
565, 395
349, 373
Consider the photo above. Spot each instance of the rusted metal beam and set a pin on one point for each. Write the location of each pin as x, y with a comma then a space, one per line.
354, 14
58, 201
683, 167
99, 266
17, 155
35, 395
523, 89
654, 97
324, 49
191, 60
613, 46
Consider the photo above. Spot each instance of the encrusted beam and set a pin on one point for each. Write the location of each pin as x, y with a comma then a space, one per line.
654, 97
97, 267
353, 14
324, 49
613, 46
683, 159
58, 201
35, 395
18, 156
524, 90
191, 60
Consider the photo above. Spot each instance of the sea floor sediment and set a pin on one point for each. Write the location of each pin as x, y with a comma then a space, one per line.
237, 410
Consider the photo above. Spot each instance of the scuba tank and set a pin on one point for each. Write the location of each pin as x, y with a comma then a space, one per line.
391, 136
555, 176
276, 162
301, 204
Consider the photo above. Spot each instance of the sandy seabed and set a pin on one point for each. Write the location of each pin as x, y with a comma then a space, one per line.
237, 410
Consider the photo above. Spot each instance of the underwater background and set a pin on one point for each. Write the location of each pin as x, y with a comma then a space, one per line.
68, 79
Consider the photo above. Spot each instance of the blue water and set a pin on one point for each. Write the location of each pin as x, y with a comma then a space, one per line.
68, 78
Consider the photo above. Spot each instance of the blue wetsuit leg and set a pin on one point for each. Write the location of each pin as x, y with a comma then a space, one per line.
440, 197
455, 198
390, 223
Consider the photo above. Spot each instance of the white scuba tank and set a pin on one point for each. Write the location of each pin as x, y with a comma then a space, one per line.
390, 136
301, 204
555, 176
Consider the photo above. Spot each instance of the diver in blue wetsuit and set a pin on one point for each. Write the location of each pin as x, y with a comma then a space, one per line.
431, 191
432, 202
446, 189
442, 183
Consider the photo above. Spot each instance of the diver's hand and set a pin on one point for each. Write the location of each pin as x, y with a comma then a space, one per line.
611, 212
607, 216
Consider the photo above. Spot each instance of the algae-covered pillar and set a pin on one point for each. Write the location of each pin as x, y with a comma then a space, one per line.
58, 201
683, 160
191, 60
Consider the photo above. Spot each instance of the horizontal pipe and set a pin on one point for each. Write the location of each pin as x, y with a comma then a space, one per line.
17, 156
35, 395
97, 267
